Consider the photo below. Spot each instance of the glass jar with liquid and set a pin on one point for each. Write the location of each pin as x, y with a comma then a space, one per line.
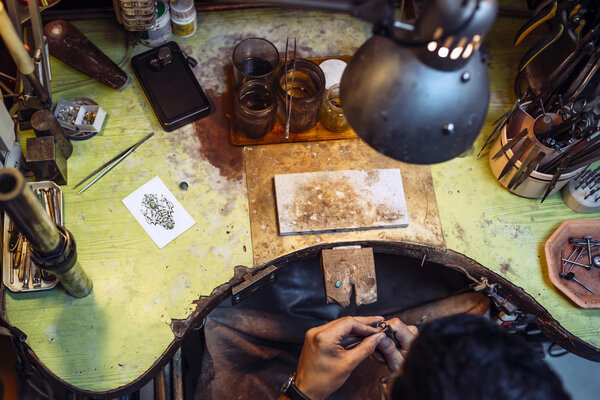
332, 117
255, 109
305, 93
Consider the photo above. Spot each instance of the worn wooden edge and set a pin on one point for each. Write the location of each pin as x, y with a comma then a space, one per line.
449, 258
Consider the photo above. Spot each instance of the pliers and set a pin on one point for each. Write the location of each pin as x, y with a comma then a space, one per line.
544, 12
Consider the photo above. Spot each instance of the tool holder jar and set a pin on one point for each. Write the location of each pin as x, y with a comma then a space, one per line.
534, 185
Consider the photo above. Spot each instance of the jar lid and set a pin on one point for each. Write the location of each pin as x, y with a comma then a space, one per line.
333, 70
183, 12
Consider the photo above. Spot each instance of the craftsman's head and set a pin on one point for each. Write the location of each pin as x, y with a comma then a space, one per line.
465, 357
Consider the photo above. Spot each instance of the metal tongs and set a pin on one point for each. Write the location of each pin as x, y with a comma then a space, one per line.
109, 165
289, 96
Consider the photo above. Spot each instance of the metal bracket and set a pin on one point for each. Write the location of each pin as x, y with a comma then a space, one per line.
251, 283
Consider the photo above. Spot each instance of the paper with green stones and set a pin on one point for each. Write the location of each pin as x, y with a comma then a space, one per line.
158, 212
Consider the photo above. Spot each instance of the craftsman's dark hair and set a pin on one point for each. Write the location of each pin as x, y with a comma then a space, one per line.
466, 357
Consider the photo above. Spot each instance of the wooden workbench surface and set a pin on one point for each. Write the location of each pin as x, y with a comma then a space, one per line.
113, 336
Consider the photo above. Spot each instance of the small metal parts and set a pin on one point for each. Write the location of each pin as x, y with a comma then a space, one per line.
66, 114
584, 249
22, 274
79, 117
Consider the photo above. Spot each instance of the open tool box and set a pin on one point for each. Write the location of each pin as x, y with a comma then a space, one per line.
75, 116
19, 273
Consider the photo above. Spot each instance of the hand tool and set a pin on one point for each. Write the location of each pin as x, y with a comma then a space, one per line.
18, 252
289, 91
544, 12
545, 42
57, 207
571, 276
588, 267
13, 237
389, 332
499, 123
527, 166
22, 261
109, 165
350, 343
27, 267
36, 276
559, 171
584, 76
518, 153
511, 143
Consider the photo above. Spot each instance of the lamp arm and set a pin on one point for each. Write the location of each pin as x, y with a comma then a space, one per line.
374, 11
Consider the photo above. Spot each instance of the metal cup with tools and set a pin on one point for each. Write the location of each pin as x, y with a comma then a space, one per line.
52, 246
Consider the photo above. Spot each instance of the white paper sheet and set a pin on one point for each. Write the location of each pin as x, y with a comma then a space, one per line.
158, 212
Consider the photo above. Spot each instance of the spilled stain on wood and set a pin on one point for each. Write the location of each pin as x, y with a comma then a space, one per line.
213, 135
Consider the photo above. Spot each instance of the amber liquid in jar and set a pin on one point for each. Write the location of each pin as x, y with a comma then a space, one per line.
331, 115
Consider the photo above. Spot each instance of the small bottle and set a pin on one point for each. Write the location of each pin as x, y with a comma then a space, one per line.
332, 117
183, 17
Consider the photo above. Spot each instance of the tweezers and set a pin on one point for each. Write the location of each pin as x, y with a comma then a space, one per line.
109, 165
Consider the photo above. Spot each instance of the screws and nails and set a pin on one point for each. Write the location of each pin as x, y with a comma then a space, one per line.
571, 277
576, 263
582, 247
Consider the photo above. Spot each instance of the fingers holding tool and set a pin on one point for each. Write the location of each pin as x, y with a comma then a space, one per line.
325, 362
395, 346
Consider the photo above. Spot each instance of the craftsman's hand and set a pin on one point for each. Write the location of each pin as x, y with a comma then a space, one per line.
324, 364
405, 334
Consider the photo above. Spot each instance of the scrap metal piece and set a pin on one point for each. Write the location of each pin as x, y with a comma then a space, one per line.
348, 268
46, 160
44, 123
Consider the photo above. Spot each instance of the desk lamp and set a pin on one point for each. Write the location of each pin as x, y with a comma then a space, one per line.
418, 93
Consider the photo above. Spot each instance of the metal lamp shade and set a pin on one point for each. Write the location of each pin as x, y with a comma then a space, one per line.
410, 111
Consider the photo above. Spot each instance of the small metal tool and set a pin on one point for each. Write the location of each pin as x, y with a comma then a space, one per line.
389, 332
518, 153
588, 267
511, 143
289, 95
109, 165
571, 277
524, 170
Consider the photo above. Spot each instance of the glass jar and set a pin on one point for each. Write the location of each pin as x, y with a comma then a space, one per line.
306, 94
254, 59
255, 109
332, 117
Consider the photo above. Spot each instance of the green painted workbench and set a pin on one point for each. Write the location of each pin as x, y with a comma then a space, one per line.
142, 295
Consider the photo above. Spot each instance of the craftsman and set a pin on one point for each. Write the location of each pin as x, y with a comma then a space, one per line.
458, 357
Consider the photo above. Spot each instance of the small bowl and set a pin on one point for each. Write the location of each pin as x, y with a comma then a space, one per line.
559, 240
